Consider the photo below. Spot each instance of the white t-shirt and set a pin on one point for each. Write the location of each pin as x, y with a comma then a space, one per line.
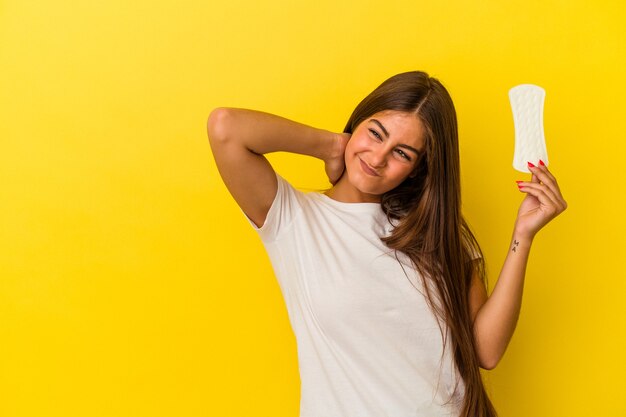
368, 343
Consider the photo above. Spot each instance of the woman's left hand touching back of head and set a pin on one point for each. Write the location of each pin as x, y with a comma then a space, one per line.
334, 161
543, 201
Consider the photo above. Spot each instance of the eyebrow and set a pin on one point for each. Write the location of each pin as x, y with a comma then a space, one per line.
381, 126
402, 145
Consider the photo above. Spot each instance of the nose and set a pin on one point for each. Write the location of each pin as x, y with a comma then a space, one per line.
378, 158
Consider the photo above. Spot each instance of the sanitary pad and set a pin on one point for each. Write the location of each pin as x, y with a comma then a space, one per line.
530, 142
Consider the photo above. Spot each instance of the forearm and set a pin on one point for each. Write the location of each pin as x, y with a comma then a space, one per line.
262, 133
496, 320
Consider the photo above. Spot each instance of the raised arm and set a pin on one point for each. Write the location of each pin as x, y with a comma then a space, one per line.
240, 137
495, 317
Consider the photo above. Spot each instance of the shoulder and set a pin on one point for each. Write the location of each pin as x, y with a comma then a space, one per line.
287, 205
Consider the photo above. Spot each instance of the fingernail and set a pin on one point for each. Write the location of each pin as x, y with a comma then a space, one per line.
541, 163
518, 182
531, 165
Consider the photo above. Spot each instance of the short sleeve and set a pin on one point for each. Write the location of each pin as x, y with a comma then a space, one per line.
286, 205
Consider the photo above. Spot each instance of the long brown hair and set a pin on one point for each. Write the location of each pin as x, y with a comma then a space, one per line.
430, 228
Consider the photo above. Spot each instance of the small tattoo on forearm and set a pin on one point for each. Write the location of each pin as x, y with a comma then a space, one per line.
515, 245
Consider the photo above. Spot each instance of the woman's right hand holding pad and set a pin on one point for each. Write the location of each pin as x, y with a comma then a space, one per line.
543, 201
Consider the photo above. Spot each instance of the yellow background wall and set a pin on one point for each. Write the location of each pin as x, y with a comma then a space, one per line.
130, 283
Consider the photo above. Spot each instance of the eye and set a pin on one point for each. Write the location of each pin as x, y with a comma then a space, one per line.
375, 133
403, 154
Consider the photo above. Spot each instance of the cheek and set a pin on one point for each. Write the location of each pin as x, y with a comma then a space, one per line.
357, 144
353, 147
349, 152
402, 171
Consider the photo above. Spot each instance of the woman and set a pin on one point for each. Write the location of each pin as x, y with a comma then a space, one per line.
383, 280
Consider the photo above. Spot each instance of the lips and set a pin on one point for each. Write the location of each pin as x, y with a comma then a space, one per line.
368, 170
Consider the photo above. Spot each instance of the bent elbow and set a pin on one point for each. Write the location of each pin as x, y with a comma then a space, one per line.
489, 363
217, 124
487, 367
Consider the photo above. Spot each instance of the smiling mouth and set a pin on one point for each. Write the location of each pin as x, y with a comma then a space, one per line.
368, 170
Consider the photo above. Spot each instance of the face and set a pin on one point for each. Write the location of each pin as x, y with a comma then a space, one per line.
382, 152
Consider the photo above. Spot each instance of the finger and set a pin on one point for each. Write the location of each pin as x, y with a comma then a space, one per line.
534, 178
545, 169
541, 172
540, 188
544, 194
546, 204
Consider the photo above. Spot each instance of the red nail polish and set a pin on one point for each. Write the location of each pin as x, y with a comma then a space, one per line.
518, 182
531, 165
541, 163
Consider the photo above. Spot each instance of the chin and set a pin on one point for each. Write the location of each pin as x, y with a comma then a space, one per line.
365, 185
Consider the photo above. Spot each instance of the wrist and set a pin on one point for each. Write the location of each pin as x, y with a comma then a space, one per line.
332, 147
523, 236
